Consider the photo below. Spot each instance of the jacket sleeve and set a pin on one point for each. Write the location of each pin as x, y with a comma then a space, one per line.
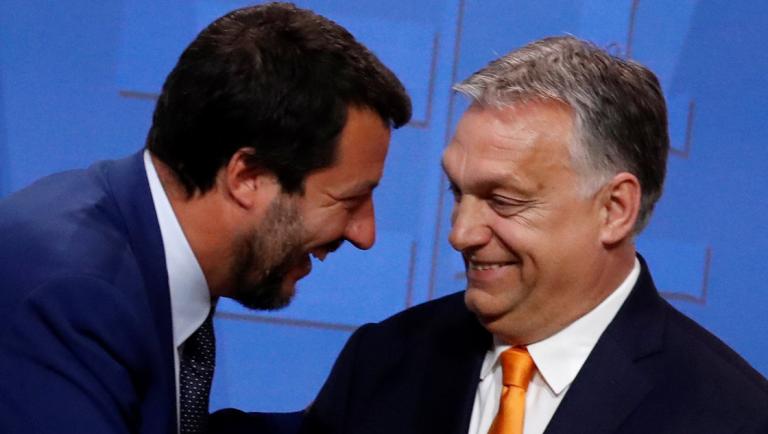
71, 360
327, 414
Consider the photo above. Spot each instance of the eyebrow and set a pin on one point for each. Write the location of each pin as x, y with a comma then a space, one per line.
508, 182
451, 182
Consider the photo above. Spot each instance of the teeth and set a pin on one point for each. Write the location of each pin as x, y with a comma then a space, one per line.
486, 266
319, 255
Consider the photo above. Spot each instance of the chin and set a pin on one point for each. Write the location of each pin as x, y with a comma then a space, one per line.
288, 291
481, 304
477, 296
272, 295
488, 309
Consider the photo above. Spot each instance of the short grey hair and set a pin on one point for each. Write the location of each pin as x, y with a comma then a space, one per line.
620, 117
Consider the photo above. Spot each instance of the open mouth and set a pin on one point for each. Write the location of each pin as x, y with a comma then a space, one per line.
319, 254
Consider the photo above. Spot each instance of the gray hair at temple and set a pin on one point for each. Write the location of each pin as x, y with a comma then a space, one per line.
620, 117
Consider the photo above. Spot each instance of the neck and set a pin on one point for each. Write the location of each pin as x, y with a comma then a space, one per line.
203, 221
621, 260
608, 271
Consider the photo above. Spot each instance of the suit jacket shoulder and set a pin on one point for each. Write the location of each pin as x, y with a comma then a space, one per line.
415, 372
655, 370
85, 308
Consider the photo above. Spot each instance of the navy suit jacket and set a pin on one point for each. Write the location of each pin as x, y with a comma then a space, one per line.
652, 371
85, 317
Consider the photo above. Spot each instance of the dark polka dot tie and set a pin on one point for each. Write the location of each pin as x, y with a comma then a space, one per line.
198, 358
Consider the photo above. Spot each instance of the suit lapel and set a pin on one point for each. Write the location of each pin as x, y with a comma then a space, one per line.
128, 183
611, 384
604, 393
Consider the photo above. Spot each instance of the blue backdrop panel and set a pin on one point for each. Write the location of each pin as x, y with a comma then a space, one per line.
4, 160
149, 47
253, 358
78, 81
58, 86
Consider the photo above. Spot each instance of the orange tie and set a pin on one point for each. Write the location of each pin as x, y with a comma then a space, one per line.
517, 369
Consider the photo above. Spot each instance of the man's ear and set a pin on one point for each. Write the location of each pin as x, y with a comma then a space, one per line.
620, 204
249, 185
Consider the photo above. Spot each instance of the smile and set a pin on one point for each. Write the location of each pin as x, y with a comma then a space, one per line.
487, 265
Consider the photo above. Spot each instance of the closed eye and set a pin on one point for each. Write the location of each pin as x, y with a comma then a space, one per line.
355, 201
507, 206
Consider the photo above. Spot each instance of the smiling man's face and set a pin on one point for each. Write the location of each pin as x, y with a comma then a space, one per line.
336, 206
527, 231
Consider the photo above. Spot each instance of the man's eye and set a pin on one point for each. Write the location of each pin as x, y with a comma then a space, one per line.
503, 201
507, 206
354, 201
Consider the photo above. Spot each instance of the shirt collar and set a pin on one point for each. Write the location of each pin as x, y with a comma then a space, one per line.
559, 357
190, 297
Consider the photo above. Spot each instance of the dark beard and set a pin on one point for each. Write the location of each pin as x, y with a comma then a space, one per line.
263, 259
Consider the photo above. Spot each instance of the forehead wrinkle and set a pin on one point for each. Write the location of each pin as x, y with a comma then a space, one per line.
515, 123
517, 137
513, 138
476, 177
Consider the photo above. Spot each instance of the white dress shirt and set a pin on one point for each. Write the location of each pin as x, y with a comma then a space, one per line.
190, 297
558, 359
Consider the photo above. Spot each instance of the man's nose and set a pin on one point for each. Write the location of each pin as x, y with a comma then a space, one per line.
361, 229
469, 229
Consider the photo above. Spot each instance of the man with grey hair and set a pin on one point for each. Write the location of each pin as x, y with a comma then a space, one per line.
555, 167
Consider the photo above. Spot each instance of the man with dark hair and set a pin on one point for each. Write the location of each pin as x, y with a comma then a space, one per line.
555, 167
267, 141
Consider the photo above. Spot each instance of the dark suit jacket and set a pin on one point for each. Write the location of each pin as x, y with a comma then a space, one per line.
652, 371
85, 320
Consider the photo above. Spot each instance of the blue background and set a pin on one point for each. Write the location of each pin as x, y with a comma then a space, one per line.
78, 81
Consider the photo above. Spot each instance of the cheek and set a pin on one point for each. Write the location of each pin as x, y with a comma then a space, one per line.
518, 235
535, 247
328, 226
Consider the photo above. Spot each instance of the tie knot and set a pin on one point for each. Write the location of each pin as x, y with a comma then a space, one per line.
517, 367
